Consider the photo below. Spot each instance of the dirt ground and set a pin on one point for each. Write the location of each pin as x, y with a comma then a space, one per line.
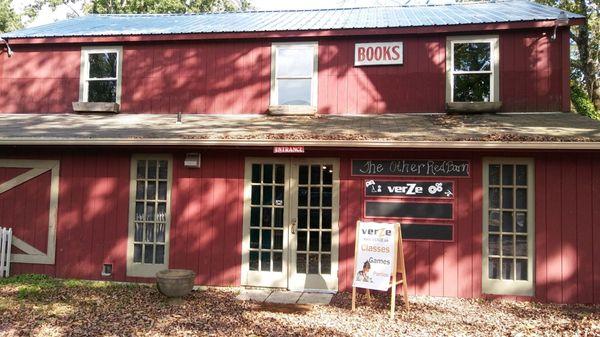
40, 306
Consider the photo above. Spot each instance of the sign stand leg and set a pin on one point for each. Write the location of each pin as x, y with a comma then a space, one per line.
353, 298
369, 296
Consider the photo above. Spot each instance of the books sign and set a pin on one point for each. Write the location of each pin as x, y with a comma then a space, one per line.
377, 53
375, 255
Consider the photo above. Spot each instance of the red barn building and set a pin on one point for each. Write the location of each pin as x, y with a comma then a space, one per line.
245, 146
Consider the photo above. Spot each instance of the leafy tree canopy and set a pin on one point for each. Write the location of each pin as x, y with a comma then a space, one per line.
9, 19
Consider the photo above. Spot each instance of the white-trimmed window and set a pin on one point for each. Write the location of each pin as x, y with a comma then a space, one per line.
149, 215
472, 69
100, 76
294, 74
508, 226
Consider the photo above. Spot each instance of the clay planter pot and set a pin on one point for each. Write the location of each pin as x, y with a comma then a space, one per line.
175, 282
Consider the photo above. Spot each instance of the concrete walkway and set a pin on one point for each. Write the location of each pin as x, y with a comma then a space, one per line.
284, 297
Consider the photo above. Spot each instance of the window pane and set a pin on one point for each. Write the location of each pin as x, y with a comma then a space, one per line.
139, 190
494, 175
149, 232
507, 269
160, 232
102, 91
521, 222
315, 174
302, 239
278, 240
507, 175
253, 260
313, 264
265, 261
141, 169
277, 261
103, 65
325, 241
507, 198
266, 239
325, 264
162, 190
314, 242
267, 195
522, 175
314, 218
254, 216
302, 218
255, 199
266, 217
160, 254
151, 190
268, 174
150, 212
494, 244
303, 174
507, 245
301, 263
494, 197
472, 88
521, 245
507, 222
472, 56
293, 91
302, 196
254, 238
521, 198
256, 173
162, 169
326, 219
278, 221
161, 212
137, 253
521, 270
327, 195
315, 196
494, 268
139, 211
139, 232
494, 221
327, 175
148, 253
279, 174
295, 61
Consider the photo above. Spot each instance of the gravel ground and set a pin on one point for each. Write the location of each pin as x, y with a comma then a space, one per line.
48, 307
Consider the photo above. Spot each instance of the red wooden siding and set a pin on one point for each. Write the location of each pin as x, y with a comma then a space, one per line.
233, 77
206, 224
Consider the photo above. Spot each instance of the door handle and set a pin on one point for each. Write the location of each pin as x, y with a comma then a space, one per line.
293, 228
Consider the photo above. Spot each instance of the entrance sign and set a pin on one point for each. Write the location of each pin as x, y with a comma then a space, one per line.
374, 261
288, 149
413, 167
378, 53
411, 189
378, 258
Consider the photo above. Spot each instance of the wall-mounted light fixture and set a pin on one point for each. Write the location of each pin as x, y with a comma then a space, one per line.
561, 21
192, 160
8, 49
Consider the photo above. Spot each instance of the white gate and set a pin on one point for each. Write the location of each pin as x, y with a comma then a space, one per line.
5, 243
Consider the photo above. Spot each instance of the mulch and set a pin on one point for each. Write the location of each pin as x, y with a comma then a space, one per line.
108, 309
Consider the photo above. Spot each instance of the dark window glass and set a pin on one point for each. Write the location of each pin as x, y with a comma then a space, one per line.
267, 195
327, 195
150, 232
472, 56
137, 253
472, 88
277, 261
315, 174
254, 237
325, 264
102, 91
253, 260
278, 217
139, 190
494, 218
326, 241
314, 218
265, 261
313, 263
521, 222
139, 232
494, 175
302, 196
303, 174
254, 216
266, 239
162, 169
302, 238
279, 174
521, 245
268, 174
141, 169
494, 197
521, 198
507, 245
267, 216
279, 198
314, 242
103, 65
507, 175
327, 175
278, 239
315, 196
494, 244
151, 190
507, 269
494, 268
256, 173
160, 254
326, 219
302, 218
255, 195
148, 253
507, 198
160, 232
521, 270
301, 263
522, 175
507, 221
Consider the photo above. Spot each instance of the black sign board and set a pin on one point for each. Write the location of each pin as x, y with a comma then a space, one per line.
406, 168
412, 189
418, 210
427, 232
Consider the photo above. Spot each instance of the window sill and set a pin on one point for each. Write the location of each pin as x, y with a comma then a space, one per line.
472, 107
292, 110
96, 107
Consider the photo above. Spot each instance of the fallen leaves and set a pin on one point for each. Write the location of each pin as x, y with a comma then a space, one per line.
65, 308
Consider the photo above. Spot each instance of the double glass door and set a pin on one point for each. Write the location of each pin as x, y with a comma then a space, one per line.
291, 223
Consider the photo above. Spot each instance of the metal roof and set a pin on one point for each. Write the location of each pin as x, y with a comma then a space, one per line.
295, 20
502, 130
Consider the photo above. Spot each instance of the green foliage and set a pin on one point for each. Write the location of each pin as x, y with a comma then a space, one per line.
162, 6
582, 103
9, 19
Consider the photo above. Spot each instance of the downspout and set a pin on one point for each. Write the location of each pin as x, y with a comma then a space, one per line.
8, 49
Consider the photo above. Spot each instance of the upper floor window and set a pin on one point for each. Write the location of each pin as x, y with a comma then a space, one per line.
100, 79
294, 74
472, 69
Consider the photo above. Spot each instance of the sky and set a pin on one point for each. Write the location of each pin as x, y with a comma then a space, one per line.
47, 16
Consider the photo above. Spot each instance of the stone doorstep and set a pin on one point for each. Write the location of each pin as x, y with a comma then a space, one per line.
284, 297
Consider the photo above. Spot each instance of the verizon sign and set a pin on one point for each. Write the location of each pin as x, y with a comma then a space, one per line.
377, 53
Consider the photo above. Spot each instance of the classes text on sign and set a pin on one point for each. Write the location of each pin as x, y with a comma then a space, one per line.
415, 167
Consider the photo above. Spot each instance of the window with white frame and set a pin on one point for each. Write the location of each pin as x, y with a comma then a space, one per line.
472, 69
508, 226
294, 74
100, 78
149, 214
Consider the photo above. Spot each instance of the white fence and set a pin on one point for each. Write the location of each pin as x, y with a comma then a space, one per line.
5, 242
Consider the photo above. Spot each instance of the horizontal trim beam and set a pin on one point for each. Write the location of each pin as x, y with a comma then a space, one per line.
297, 33
310, 143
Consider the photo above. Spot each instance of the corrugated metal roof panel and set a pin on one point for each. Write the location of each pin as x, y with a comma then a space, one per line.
295, 20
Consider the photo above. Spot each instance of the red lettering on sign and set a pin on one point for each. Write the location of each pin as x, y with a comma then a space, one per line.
378, 53
361, 53
369, 54
386, 53
396, 52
